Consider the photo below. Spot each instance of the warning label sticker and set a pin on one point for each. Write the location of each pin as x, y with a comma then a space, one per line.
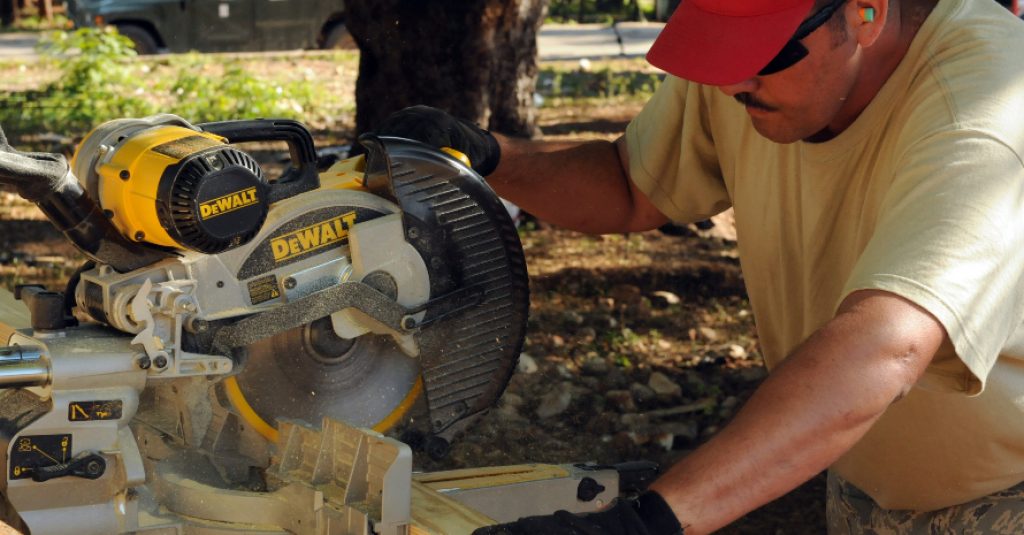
87, 411
263, 289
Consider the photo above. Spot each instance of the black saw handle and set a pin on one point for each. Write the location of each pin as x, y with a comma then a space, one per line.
302, 176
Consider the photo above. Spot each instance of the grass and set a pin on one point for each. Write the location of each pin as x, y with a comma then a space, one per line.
316, 87
560, 84
90, 76
596, 11
32, 22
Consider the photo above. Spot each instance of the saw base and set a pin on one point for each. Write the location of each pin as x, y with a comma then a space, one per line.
343, 480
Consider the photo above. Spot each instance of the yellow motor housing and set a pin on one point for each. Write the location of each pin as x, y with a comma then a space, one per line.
165, 183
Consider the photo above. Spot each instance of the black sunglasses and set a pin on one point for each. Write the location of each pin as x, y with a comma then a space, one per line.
794, 51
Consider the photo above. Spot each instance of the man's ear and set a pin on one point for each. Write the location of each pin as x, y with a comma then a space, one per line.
867, 19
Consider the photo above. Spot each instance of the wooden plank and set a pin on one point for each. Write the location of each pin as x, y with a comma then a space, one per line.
436, 514
477, 478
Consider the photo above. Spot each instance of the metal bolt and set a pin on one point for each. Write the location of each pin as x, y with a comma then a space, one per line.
93, 468
413, 233
408, 323
161, 362
195, 325
144, 362
290, 283
220, 284
125, 175
139, 236
109, 214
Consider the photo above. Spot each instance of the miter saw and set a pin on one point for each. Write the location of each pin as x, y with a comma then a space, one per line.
227, 359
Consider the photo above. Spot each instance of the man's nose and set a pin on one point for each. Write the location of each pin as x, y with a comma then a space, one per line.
749, 85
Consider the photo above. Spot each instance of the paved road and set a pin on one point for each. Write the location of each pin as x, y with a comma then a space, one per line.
554, 42
596, 40
17, 45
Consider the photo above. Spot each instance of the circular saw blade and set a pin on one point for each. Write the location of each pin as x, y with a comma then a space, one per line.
308, 373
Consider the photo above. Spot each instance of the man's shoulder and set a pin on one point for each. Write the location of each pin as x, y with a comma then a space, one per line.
974, 58
968, 77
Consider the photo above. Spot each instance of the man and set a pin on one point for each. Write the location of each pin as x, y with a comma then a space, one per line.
872, 150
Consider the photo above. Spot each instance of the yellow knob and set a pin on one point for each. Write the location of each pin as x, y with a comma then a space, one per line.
457, 155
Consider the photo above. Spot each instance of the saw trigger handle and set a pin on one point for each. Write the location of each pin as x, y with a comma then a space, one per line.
302, 176
85, 465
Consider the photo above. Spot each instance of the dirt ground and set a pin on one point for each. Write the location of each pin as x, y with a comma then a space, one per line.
639, 346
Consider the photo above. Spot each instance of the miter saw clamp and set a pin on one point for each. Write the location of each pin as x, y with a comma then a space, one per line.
388, 282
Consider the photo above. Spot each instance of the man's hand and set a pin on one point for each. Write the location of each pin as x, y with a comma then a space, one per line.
435, 127
647, 515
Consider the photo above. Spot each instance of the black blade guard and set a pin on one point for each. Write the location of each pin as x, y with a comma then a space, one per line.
476, 318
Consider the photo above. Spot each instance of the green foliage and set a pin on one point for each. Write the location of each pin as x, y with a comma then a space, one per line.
600, 11
235, 94
603, 83
35, 22
97, 82
102, 79
619, 343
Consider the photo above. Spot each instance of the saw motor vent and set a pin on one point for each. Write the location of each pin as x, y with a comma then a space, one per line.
213, 201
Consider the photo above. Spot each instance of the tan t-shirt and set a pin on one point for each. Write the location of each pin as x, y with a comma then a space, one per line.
922, 196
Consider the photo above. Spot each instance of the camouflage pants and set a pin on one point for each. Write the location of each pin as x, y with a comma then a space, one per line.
851, 512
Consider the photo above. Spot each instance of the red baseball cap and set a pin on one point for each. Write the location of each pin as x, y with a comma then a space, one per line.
721, 42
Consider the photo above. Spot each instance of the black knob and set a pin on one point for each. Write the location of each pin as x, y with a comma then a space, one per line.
588, 489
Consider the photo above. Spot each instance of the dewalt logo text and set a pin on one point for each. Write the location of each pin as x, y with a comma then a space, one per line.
228, 203
312, 237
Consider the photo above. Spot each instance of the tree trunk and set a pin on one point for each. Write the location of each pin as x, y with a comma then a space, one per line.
476, 59
6, 12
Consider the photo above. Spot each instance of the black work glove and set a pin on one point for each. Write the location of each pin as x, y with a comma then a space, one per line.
647, 515
439, 129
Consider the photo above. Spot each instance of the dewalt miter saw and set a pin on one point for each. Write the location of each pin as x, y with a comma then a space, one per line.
210, 367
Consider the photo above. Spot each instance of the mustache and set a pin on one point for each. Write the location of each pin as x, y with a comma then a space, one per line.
747, 99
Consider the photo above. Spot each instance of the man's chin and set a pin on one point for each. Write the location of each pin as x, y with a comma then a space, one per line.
774, 133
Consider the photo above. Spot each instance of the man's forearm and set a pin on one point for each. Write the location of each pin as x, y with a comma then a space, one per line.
576, 185
811, 410
583, 186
